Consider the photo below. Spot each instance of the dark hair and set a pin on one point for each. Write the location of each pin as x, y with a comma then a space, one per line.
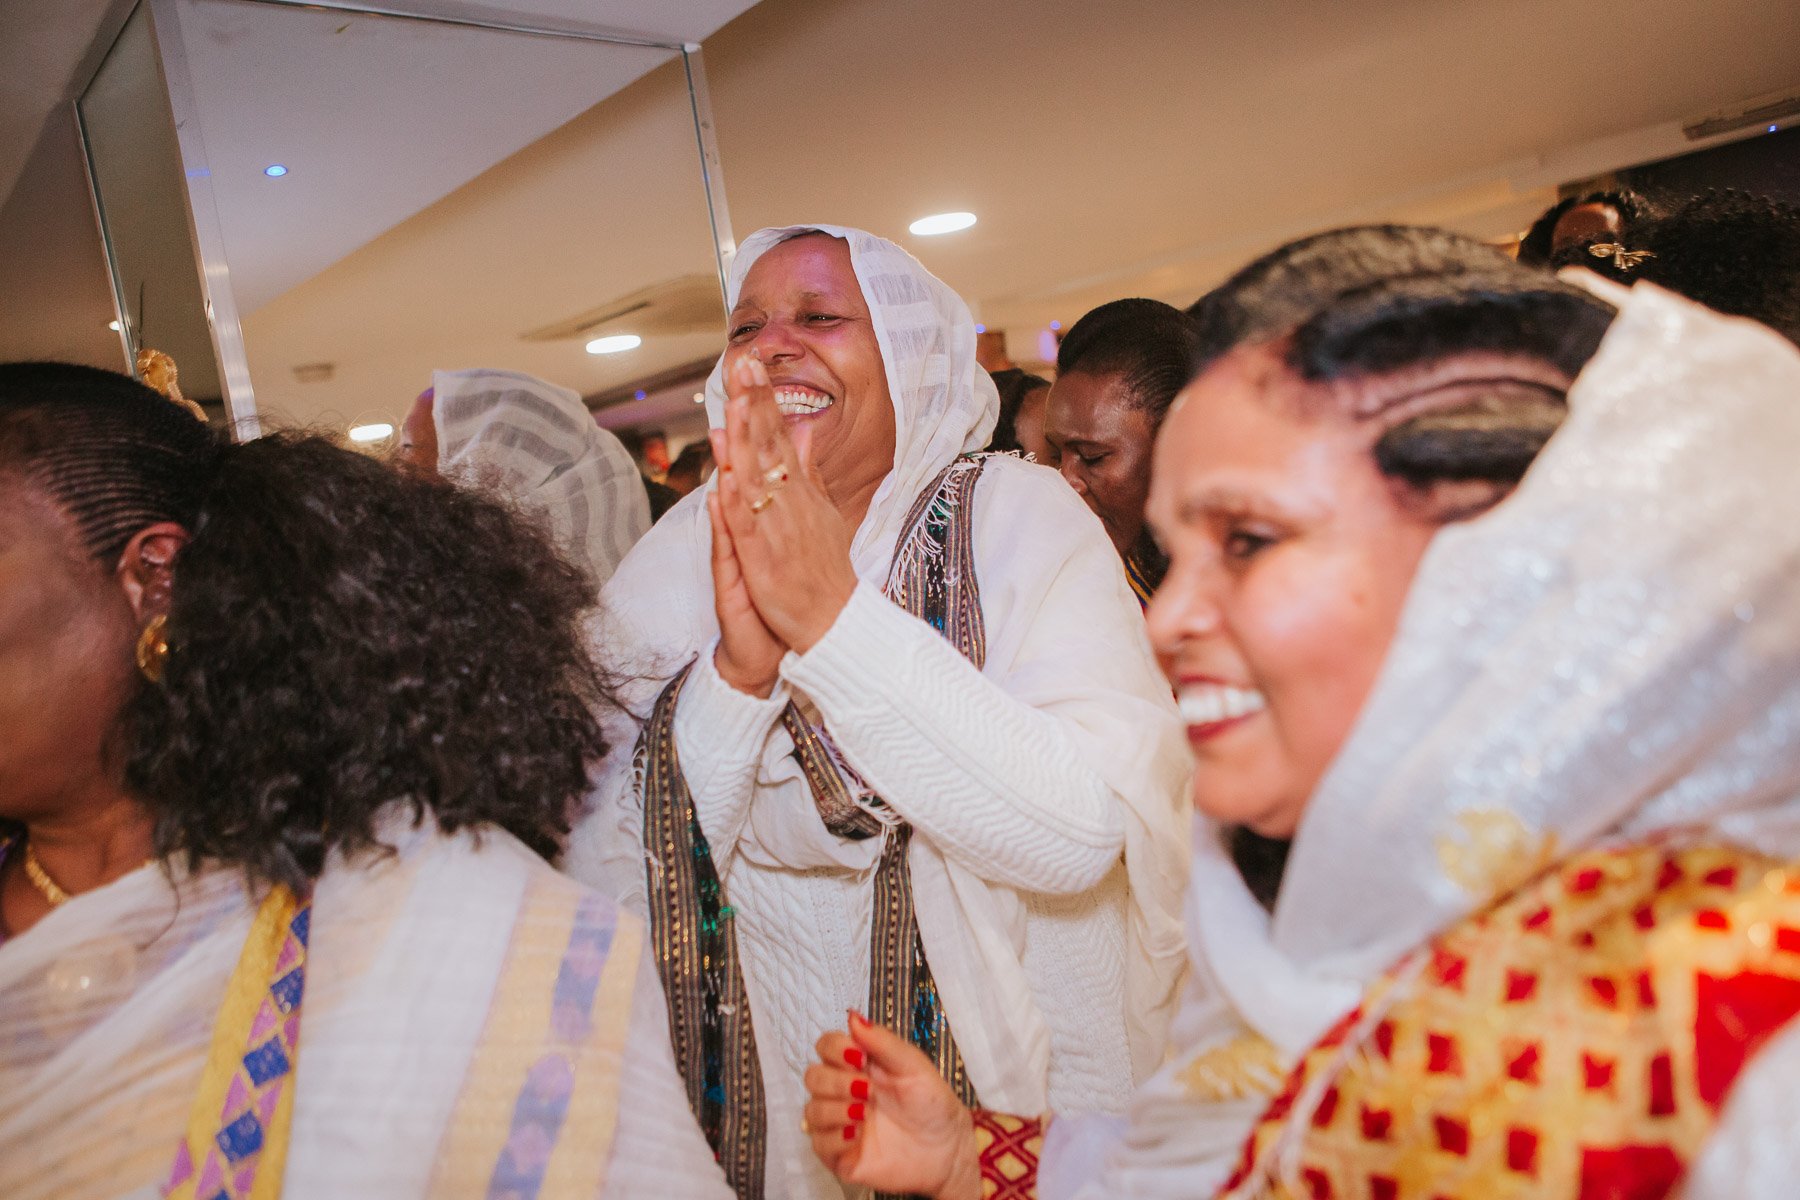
1732, 251
1014, 385
693, 457
1375, 299
1538, 246
342, 634
1149, 343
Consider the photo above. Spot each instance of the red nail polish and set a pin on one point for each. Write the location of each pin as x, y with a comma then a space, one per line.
859, 1088
856, 1111
849, 1132
854, 1056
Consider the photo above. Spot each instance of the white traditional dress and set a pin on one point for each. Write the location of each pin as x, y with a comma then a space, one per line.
1543, 909
456, 1019
1034, 760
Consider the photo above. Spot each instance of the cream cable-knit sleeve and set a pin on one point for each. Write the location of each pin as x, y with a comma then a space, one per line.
990, 779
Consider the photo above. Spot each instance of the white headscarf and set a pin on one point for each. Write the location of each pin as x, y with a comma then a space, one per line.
944, 403
1611, 653
537, 444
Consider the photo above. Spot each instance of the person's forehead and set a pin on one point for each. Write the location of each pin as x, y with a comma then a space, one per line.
1080, 400
802, 267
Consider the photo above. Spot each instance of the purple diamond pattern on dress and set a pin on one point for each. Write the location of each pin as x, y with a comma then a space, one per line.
234, 1153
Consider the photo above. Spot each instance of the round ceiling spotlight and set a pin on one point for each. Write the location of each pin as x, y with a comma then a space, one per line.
938, 223
371, 433
616, 343
274, 170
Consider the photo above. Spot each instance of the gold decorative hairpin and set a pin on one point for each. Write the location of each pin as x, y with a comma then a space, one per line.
1623, 258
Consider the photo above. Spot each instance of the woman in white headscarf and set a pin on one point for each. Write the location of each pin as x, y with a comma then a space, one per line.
536, 444
1537, 759
907, 748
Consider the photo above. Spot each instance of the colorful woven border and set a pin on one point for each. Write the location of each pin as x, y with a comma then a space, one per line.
1008, 1149
235, 1147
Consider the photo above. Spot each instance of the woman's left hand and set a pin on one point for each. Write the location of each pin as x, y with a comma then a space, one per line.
792, 543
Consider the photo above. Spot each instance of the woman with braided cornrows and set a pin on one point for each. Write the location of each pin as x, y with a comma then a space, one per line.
1500, 570
287, 733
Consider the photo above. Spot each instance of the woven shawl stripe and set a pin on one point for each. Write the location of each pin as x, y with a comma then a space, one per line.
836, 803
695, 943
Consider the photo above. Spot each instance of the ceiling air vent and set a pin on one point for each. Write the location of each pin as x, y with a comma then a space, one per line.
1769, 109
688, 304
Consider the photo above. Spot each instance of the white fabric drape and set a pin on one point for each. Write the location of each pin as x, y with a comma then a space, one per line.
537, 444
107, 1008
1611, 653
1047, 790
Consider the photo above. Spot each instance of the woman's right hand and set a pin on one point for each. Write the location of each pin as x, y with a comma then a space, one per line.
881, 1116
749, 656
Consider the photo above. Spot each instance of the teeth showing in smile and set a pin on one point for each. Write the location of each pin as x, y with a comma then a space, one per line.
794, 402
1210, 703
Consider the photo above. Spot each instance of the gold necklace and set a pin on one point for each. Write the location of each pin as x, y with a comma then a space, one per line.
40, 879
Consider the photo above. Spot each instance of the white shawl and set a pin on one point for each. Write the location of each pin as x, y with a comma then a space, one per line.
426, 970
1612, 652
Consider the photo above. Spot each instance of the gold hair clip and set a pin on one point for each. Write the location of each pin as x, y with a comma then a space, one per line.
1623, 258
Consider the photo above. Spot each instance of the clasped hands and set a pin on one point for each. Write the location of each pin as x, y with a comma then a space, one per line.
780, 548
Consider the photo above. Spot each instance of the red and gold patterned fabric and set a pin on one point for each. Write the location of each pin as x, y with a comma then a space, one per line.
1008, 1149
1575, 1040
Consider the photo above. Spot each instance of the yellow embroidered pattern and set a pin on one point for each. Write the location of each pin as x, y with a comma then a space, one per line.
1580, 1033
1495, 853
1247, 1065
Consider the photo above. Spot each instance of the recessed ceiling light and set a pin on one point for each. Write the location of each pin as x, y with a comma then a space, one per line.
615, 344
274, 170
941, 223
113, 325
371, 433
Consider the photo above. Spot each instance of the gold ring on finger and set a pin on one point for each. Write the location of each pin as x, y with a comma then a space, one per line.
776, 476
805, 1125
761, 502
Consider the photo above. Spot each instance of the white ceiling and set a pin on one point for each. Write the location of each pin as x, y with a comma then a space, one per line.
431, 107
1108, 150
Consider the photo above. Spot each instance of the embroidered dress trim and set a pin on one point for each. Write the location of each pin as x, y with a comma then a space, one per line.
1578, 1038
1141, 586
1008, 1149
236, 1143
695, 944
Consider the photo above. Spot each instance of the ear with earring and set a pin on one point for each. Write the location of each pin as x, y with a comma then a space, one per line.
153, 648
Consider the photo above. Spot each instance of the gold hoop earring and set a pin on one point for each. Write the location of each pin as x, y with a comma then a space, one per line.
153, 649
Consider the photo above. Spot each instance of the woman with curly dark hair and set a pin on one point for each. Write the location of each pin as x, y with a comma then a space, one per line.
286, 734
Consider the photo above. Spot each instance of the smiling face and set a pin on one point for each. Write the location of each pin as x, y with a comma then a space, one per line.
1101, 442
801, 311
1290, 560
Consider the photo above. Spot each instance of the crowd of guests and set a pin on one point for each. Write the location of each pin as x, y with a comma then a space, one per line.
1339, 739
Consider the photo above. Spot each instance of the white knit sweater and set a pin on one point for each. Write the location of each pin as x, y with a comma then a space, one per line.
1046, 791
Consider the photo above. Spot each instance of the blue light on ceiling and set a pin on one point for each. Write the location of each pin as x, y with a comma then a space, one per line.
274, 170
